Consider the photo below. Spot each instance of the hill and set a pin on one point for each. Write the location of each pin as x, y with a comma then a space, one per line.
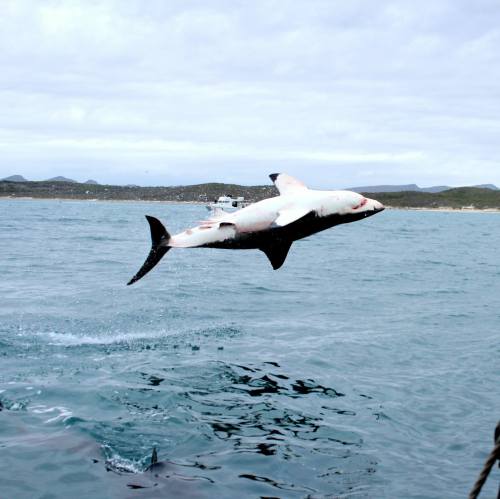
413, 187
15, 178
191, 193
457, 198
61, 179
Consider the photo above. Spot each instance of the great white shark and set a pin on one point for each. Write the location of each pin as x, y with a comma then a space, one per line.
271, 225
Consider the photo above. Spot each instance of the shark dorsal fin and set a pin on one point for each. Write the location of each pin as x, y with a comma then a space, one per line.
287, 184
276, 251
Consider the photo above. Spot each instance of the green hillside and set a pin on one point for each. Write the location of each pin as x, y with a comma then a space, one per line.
194, 193
453, 198
457, 198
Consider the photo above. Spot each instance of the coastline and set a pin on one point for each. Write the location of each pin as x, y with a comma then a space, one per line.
446, 209
442, 209
95, 200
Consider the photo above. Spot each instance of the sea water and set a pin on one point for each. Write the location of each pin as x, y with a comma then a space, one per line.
368, 366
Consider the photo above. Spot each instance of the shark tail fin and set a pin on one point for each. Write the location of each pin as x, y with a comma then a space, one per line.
159, 246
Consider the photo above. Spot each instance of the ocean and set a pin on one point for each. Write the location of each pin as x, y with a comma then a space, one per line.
367, 366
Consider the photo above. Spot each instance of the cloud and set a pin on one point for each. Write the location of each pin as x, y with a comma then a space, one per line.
335, 92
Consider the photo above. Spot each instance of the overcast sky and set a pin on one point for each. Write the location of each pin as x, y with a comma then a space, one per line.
338, 93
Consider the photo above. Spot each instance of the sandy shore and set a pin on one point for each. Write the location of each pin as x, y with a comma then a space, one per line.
448, 209
94, 200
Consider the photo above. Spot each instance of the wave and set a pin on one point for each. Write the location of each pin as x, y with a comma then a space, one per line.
71, 339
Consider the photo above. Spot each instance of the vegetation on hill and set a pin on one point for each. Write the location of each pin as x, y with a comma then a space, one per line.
458, 198
462, 197
194, 193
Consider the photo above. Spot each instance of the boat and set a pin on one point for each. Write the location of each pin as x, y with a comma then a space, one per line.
227, 204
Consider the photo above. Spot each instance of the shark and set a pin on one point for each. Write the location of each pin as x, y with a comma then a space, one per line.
271, 225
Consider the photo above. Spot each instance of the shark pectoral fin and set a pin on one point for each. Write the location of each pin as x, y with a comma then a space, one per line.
276, 251
287, 216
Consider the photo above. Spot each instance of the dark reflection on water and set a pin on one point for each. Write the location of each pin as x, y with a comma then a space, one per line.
246, 409
210, 419
274, 483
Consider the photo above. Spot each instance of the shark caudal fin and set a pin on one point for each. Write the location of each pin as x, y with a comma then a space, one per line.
159, 246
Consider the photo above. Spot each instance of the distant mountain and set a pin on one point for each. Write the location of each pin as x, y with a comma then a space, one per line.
61, 179
435, 188
413, 188
92, 182
386, 188
15, 178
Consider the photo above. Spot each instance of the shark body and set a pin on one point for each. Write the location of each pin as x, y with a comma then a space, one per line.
271, 225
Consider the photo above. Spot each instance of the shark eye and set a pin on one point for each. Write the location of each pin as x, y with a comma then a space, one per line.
361, 204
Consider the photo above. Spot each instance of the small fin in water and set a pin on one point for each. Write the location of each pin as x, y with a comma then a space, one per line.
155, 465
154, 456
277, 252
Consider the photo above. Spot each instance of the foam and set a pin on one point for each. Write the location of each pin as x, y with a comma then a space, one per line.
120, 464
69, 339
64, 412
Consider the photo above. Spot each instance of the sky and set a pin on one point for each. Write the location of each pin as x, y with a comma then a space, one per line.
336, 93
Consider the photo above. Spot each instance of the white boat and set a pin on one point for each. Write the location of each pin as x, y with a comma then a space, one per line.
227, 204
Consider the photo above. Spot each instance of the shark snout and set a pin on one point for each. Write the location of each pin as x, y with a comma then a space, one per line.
373, 206
377, 206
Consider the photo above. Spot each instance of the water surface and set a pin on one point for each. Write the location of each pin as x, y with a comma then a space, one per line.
366, 367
